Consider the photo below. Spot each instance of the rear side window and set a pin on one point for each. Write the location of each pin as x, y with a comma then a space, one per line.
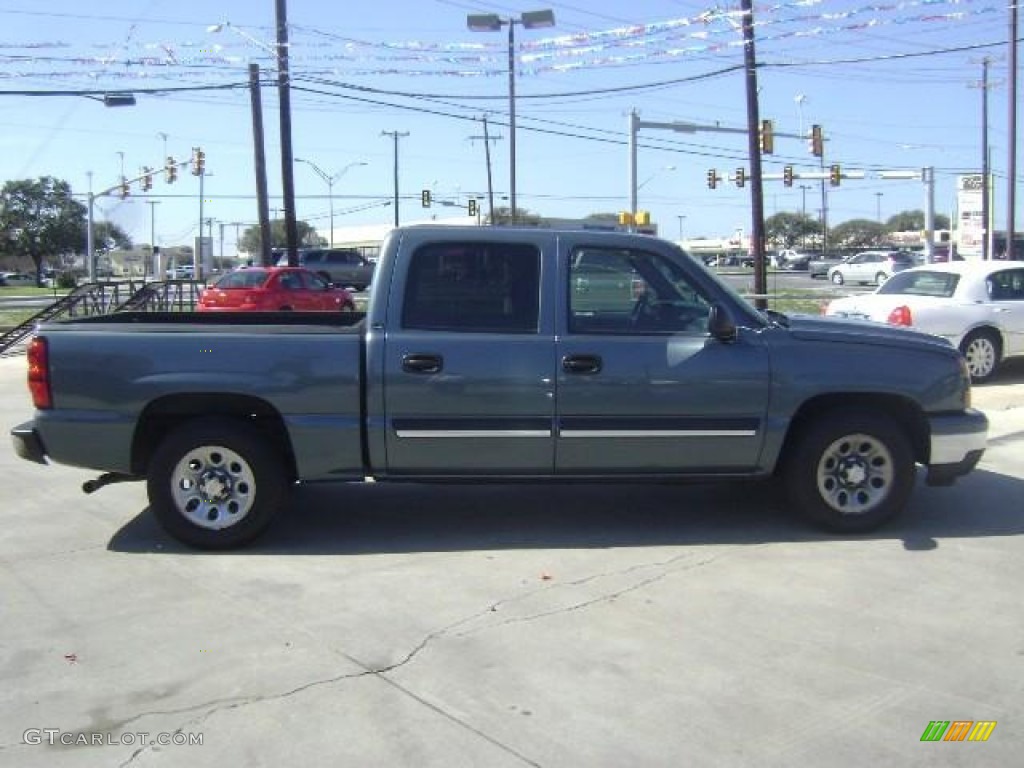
473, 288
243, 278
940, 284
343, 257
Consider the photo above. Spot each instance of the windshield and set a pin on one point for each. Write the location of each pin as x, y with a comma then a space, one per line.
925, 283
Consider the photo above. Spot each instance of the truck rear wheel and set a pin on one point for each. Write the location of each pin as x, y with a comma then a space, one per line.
215, 483
850, 472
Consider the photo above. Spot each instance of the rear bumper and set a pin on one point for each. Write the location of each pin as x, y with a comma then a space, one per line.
957, 444
27, 443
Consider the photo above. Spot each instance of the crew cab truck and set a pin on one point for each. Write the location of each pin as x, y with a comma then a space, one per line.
501, 354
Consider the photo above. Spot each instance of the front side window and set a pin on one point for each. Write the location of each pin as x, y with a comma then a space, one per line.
473, 288
625, 291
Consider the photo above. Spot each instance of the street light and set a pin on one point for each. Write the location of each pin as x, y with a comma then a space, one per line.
653, 176
330, 183
492, 22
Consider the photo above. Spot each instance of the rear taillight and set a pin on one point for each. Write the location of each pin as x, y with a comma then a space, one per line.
39, 373
900, 316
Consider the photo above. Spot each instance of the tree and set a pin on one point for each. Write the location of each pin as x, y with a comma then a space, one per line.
785, 230
106, 236
250, 240
857, 233
912, 221
40, 219
503, 215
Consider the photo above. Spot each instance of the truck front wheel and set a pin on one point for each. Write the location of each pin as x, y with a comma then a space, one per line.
850, 472
215, 483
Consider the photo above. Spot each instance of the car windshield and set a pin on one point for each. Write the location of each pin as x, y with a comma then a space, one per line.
243, 278
925, 283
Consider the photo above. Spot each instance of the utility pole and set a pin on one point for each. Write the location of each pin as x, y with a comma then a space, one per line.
260, 160
1011, 165
152, 237
396, 135
487, 152
754, 153
285, 109
985, 213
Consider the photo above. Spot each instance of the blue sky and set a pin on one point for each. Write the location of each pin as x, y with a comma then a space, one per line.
894, 85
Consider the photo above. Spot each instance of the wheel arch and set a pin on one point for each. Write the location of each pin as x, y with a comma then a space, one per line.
986, 327
164, 414
900, 409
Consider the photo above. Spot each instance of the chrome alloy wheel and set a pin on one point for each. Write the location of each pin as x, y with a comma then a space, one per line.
213, 487
855, 474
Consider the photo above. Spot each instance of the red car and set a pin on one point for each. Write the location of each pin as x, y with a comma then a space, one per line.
256, 289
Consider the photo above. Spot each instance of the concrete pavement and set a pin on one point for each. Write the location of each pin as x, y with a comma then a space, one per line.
500, 626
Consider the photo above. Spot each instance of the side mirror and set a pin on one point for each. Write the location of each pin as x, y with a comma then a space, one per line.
721, 325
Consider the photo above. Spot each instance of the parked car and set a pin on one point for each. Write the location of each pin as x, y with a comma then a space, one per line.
977, 305
181, 272
341, 266
819, 266
871, 267
257, 289
17, 278
797, 262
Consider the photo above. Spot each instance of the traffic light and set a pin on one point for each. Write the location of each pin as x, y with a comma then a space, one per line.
472, 207
147, 178
425, 198
625, 219
741, 177
766, 137
817, 141
835, 175
787, 175
643, 218
125, 189
170, 170
712, 178
198, 161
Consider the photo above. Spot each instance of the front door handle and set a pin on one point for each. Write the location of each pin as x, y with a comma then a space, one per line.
422, 363
581, 363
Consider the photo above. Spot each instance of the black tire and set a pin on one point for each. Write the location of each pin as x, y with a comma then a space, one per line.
982, 350
215, 483
880, 278
850, 472
837, 278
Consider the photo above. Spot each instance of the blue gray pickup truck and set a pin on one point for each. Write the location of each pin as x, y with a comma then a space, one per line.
494, 354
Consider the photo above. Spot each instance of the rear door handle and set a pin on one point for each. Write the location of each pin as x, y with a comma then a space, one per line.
581, 363
422, 363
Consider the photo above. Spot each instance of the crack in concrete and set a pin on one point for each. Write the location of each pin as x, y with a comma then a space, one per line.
381, 672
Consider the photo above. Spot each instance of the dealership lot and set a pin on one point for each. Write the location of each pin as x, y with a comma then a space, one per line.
513, 626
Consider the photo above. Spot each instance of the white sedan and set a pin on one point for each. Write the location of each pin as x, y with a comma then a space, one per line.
976, 305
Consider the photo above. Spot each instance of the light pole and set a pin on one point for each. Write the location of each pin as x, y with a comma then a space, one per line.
878, 207
681, 218
330, 184
492, 22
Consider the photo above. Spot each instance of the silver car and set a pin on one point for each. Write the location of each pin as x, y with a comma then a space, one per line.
871, 267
